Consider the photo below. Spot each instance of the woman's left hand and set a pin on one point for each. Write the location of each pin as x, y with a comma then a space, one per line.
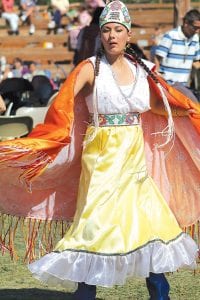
192, 111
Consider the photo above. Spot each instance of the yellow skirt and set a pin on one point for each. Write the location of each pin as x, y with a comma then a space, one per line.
122, 227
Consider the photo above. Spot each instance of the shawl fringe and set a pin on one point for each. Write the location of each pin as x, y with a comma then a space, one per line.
37, 237
31, 163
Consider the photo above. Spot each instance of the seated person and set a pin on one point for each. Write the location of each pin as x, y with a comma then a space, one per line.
7, 73
28, 10
59, 9
88, 40
19, 69
34, 69
10, 16
79, 22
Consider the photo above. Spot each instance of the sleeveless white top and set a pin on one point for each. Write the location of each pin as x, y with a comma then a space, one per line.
111, 100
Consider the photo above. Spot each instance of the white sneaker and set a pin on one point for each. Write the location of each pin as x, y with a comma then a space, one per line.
23, 18
52, 24
60, 30
32, 29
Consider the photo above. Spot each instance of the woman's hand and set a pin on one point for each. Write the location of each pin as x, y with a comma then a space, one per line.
2, 105
182, 112
192, 111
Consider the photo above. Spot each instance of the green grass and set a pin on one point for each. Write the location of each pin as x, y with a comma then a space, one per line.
17, 283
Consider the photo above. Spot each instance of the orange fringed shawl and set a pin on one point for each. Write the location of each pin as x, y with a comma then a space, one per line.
48, 163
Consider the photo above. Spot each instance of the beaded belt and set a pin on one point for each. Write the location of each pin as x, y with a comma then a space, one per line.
132, 118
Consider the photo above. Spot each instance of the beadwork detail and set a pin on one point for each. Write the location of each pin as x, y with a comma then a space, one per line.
132, 118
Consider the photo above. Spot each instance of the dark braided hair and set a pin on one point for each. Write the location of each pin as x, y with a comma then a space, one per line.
129, 53
132, 55
97, 61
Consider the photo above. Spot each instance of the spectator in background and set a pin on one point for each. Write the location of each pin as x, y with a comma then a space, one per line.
79, 21
84, 17
76, 28
60, 8
3, 63
7, 72
93, 4
177, 51
34, 69
19, 69
88, 41
10, 16
155, 40
28, 10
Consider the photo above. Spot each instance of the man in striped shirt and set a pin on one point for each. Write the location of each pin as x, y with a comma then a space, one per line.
178, 49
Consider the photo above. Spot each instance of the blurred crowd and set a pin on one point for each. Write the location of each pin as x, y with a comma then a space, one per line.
23, 69
16, 16
78, 19
172, 62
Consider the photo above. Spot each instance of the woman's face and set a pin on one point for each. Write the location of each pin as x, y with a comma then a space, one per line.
114, 38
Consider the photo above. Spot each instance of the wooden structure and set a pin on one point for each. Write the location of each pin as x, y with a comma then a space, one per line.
51, 49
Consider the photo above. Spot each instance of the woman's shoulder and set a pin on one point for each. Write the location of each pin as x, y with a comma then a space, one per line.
92, 59
84, 68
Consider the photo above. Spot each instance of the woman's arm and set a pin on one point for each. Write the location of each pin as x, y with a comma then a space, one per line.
85, 80
158, 107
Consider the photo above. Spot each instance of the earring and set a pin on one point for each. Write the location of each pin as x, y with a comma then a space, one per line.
128, 46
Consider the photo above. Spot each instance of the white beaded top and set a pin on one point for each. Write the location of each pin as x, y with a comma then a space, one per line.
114, 99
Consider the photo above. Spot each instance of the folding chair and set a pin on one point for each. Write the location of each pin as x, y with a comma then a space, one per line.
36, 113
42, 91
15, 90
12, 127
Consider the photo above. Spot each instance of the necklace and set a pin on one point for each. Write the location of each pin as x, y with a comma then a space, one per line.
126, 97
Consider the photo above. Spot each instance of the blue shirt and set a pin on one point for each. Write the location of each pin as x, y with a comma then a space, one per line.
178, 53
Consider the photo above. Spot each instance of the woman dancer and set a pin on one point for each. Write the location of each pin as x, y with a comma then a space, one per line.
123, 226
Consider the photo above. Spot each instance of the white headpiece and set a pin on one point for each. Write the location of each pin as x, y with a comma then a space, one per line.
117, 12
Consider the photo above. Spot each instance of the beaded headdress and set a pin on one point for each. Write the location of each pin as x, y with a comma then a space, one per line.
117, 12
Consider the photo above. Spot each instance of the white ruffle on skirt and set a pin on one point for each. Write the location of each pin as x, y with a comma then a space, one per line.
71, 266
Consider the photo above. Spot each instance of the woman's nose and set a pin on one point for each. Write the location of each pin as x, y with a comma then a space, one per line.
112, 34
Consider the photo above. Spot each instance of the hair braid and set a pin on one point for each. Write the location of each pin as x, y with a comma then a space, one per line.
133, 54
94, 97
169, 130
97, 62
